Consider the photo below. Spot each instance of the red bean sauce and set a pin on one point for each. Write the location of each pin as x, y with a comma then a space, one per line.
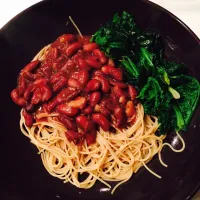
77, 81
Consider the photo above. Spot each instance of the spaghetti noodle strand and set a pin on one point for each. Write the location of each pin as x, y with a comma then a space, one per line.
114, 157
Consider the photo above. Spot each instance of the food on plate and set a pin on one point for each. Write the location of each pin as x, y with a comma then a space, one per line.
102, 105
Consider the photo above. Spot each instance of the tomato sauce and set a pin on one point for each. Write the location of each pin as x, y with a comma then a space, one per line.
77, 81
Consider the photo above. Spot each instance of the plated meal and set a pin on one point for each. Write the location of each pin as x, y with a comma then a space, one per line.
99, 107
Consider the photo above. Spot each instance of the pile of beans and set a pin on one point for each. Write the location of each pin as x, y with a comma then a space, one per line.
77, 81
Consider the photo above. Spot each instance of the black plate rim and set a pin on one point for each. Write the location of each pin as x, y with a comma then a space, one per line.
173, 16
145, 1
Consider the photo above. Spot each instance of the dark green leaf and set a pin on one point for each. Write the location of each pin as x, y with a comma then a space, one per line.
151, 96
146, 60
153, 43
173, 68
164, 114
180, 123
163, 91
130, 67
189, 90
118, 36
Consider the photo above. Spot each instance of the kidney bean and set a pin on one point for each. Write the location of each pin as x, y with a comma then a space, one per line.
28, 92
90, 137
90, 47
44, 108
88, 110
99, 54
31, 66
79, 102
56, 77
83, 77
69, 38
120, 116
57, 44
69, 124
30, 108
61, 59
120, 84
74, 83
92, 62
130, 109
78, 55
74, 136
82, 64
85, 39
83, 122
116, 73
46, 71
97, 108
53, 53
119, 91
22, 84
38, 75
66, 95
108, 103
75, 75
67, 110
114, 99
70, 65
73, 48
97, 73
123, 100
92, 85
28, 76
46, 93
52, 104
111, 62
29, 120
105, 111
39, 82
60, 84
95, 98
107, 106
37, 96
56, 66
132, 92
101, 120
17, 99
105, 85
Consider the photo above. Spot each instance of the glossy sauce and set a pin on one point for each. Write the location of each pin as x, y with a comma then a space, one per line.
77, 81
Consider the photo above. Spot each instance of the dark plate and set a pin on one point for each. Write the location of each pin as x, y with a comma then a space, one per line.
23, 174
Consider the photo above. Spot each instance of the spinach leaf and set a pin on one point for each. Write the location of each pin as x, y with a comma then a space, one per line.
156, 101
151, 96
153, 43
180, 123
132, 72
117, 37
146, 61
164, 90
138, 73
164, 114
189, 89
173, 68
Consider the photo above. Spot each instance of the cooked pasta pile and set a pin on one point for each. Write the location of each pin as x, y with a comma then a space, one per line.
114, 157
